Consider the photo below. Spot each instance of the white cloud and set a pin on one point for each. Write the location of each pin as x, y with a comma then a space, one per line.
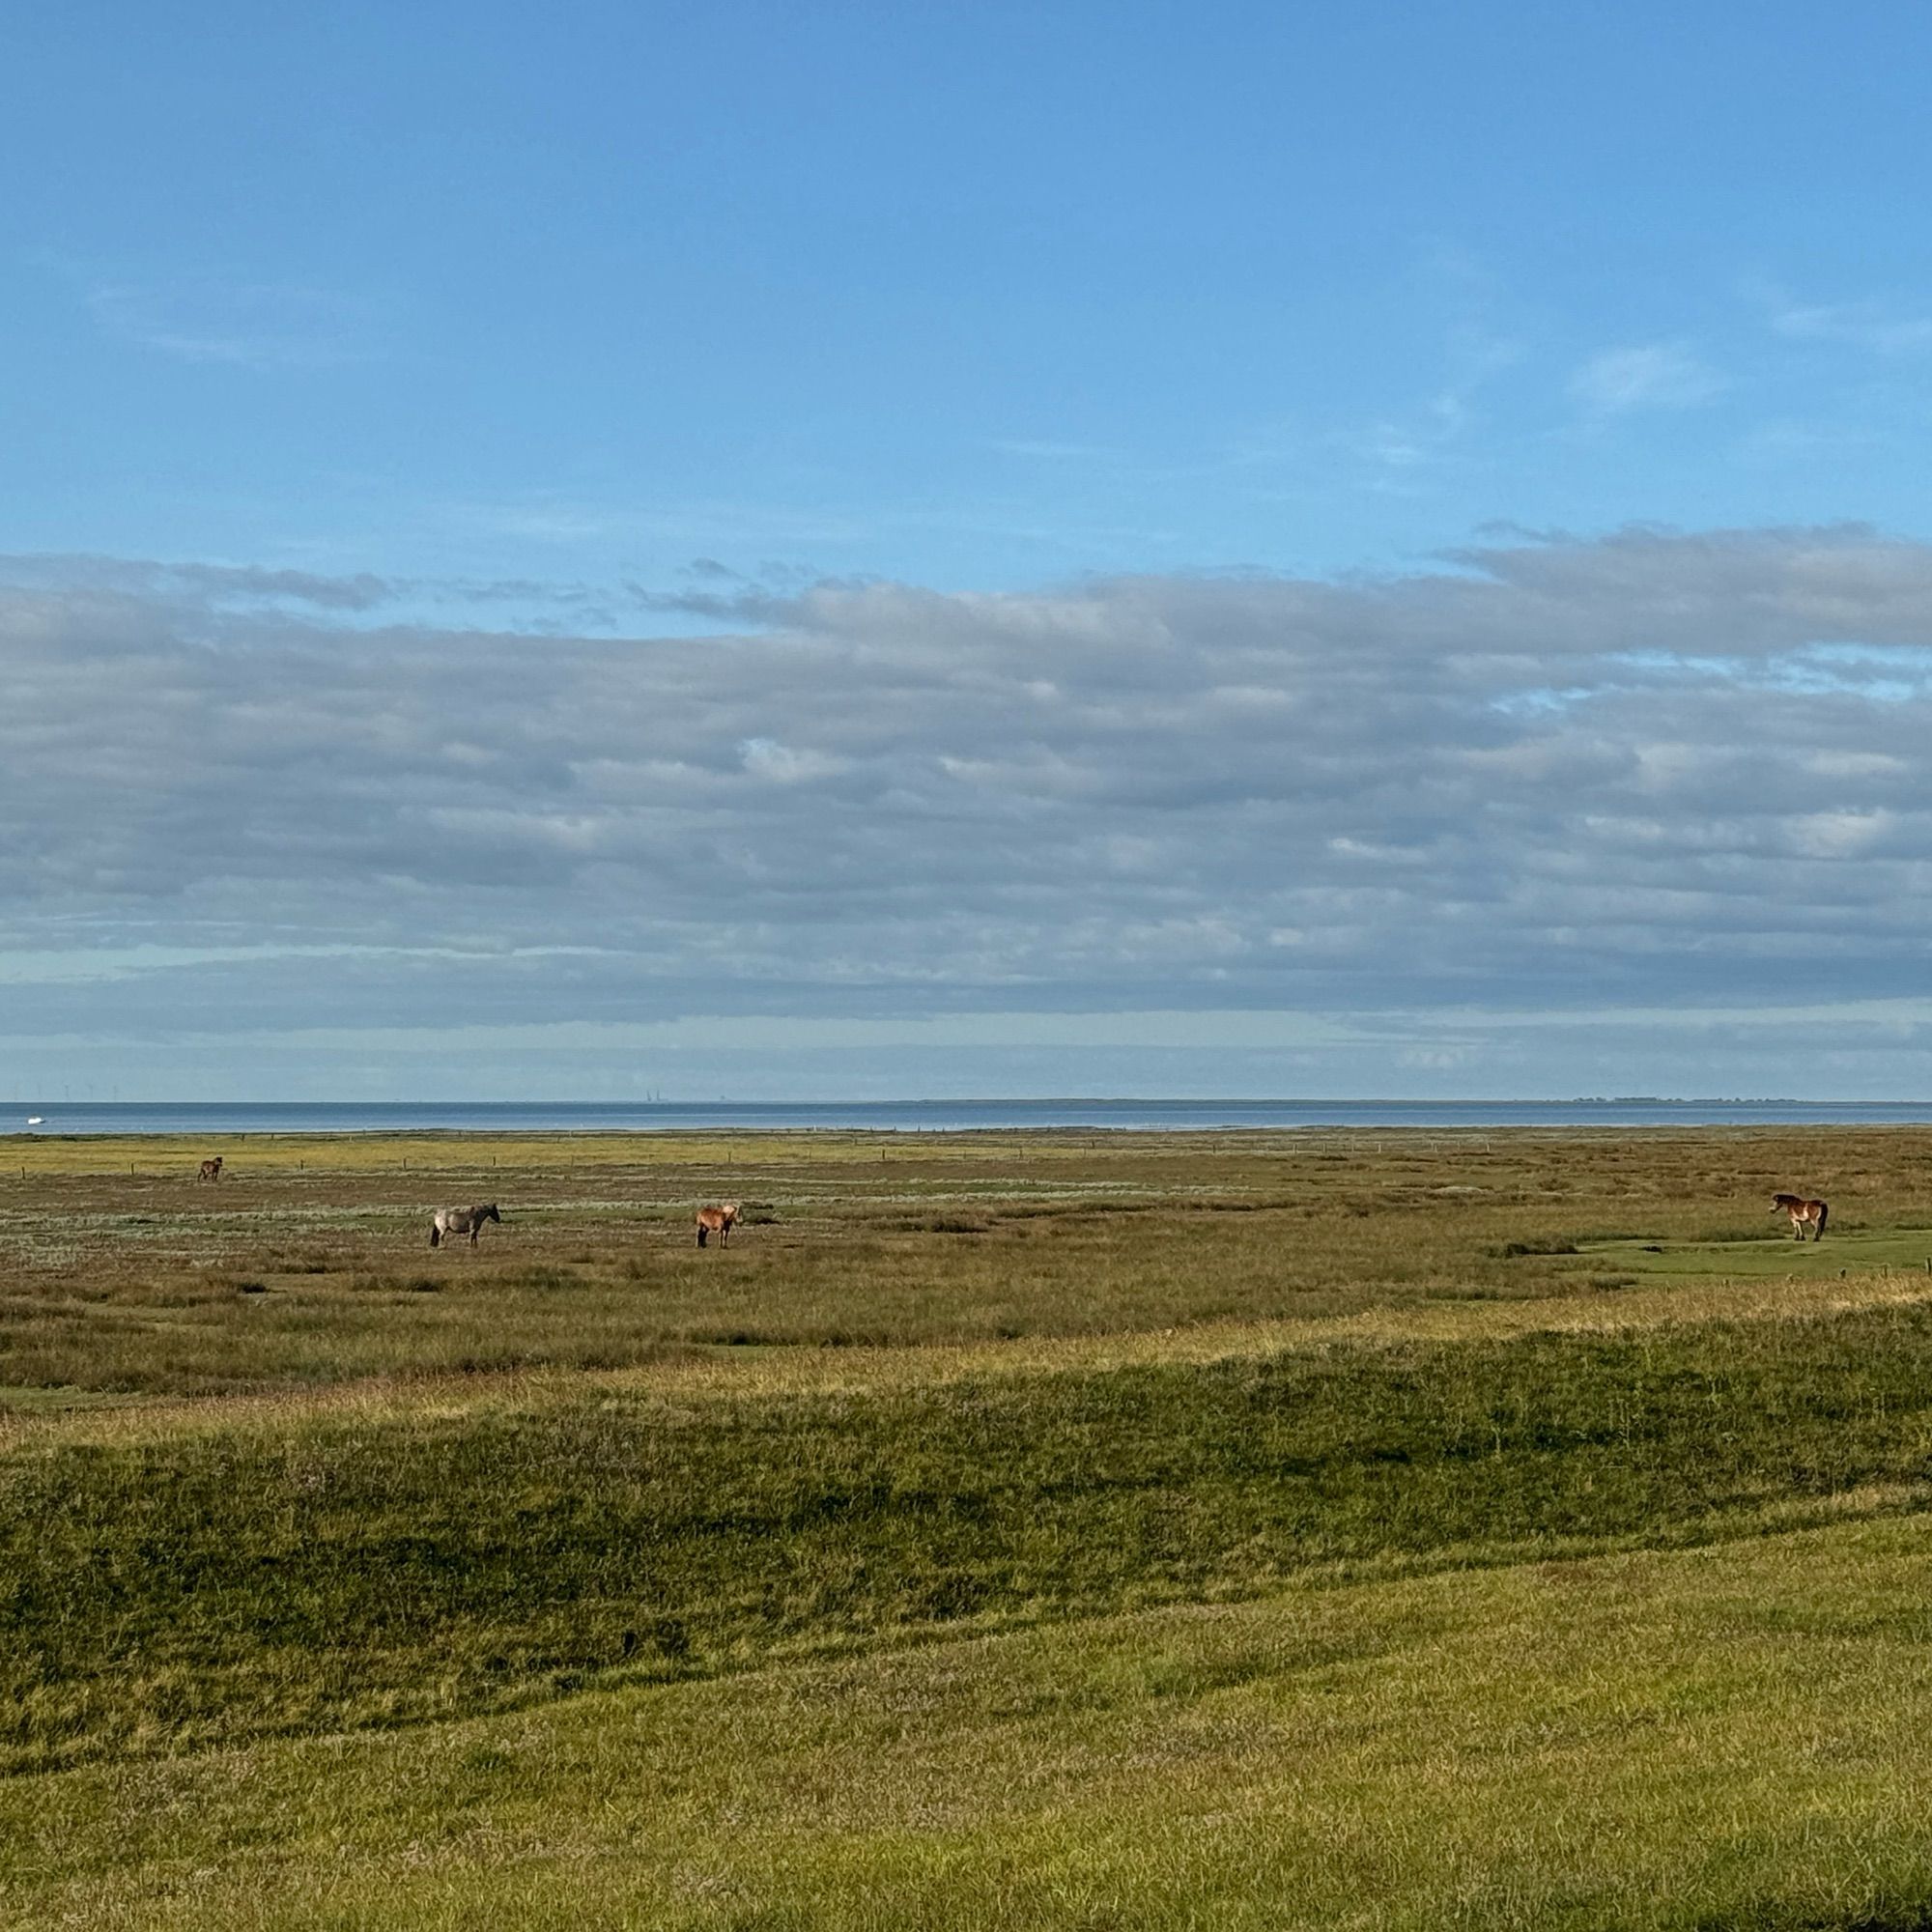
783, 764
257, 326
1864, 324
1836, 835
1647, 376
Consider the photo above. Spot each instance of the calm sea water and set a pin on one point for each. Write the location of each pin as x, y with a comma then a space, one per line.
300, 1117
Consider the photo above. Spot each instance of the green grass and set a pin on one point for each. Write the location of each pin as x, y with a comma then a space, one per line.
1866, 1250
1174, 1530
1727, 1738
222, 1585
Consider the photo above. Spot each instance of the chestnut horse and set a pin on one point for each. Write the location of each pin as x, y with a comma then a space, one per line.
1803, 1212
211, 1170
718, 1220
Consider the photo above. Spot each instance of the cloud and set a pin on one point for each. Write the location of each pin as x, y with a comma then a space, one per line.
783, 765
1873, 327
258, 325
1648, 375
1475, 351
1657, 770
1049, 450
216, 586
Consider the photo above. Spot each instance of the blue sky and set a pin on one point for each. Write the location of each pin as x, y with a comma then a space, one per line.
778, 550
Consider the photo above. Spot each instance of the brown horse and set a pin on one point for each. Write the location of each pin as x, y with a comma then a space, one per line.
211, 1170
1803, 1213
718, 1220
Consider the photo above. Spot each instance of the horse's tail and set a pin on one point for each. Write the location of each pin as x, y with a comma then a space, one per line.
435, 1236
1823, 1209
700, 1233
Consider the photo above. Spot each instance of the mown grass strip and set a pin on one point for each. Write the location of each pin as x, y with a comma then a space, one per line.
169, 1591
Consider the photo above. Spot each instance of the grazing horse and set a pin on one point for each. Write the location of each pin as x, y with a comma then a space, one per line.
718, 1220
211, 1170
451, 1222
1801, 1213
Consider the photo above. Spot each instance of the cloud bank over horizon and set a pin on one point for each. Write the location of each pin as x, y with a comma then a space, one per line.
1548, 812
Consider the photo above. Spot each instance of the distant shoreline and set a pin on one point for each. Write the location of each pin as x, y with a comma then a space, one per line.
89, 1120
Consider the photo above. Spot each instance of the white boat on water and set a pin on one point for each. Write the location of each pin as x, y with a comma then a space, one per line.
34, 1120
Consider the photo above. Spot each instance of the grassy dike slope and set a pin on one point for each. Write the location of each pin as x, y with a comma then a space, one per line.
1731, 1736
168, 1589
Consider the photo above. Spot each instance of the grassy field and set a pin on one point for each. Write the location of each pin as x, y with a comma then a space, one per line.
1249, 1529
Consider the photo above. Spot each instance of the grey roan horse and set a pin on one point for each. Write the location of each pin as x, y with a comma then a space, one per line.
453, 1221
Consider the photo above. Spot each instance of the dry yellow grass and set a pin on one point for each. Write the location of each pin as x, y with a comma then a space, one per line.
777, 1371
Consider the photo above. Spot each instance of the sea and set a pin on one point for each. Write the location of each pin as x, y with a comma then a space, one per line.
66, 1116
